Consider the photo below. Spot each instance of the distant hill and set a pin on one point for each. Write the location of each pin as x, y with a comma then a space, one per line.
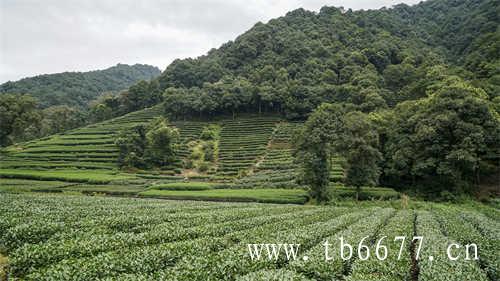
78, 88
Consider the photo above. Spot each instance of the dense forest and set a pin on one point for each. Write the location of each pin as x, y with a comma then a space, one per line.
372, 59
46, 104
410, 92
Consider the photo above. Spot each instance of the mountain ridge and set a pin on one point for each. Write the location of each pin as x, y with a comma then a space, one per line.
77, 88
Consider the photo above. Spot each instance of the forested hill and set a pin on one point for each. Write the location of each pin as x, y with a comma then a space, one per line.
78, 88
372, 59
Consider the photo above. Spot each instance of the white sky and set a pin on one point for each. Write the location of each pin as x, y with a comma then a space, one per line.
53, 36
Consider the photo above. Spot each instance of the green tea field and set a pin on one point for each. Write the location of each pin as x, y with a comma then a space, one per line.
253, 161
58, 237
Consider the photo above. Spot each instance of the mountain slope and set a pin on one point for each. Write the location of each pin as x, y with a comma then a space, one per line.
372, 59
78, 88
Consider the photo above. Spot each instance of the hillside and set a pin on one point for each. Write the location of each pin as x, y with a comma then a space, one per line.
92, 147
372, 59
253, 153
78, 88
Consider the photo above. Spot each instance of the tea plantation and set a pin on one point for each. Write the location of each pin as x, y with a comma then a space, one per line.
253, 161
50, 231
64, 237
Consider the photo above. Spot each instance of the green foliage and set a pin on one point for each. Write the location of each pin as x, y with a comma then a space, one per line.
132, 145
69, 175
442, 267
58, 102
426, 75
60, 118
4, 265
242, 142
360, 148
19, 118
273, 275
108, 189
203, 151
393, 267
331, 130
101, 111
315, 144
210, 133
48, 236
286, 66
13, 185
364, 193
161, 143
373, 59
144, 146
445, 141
76, 89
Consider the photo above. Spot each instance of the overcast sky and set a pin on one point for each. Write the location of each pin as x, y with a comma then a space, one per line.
53, 36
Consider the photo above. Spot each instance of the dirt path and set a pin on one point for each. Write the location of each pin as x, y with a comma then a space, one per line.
3, 267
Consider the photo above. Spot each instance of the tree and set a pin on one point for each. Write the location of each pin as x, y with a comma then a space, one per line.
396, 76
100, 112
137, 96
444, 141
161, 143
315, 143
359, 146
61, 118
148, 146
335, 130
372, 101
132, 145
19, 118
77, 89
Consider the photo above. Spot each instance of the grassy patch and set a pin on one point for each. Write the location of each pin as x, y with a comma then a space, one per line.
93, 176
21, 185
106, 189
160, 177
367, 193
293, 196
185, 186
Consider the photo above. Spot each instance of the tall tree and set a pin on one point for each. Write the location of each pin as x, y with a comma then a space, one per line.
315, 144
359, 147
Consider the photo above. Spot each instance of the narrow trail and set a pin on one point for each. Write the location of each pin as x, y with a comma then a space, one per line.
414, 270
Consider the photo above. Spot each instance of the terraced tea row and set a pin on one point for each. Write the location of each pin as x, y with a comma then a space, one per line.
276, 169
242, 142
90, 147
